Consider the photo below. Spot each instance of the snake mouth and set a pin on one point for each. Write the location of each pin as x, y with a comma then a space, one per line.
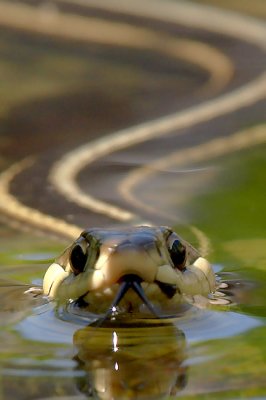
127, 282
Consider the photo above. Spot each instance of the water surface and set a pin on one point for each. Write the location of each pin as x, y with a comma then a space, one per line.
206, 353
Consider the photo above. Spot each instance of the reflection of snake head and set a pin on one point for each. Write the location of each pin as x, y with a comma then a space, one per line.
127, 363
151, 265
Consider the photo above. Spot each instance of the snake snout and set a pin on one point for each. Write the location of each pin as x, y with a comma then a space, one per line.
128, 264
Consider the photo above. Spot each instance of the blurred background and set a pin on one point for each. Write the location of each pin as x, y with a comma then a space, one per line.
184, 83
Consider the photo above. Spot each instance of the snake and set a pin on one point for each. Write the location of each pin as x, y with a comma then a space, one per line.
128, 270
150, 268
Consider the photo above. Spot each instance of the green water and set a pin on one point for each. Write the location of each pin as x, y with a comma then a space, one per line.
233, 215
210, 354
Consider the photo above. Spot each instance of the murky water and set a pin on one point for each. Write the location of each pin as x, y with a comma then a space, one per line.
60, 91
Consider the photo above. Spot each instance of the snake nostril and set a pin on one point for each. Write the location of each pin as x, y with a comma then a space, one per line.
130, 278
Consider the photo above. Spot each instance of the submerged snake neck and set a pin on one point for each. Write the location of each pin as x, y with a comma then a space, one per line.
164, 268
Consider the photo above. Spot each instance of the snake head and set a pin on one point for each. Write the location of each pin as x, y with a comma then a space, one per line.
107, 269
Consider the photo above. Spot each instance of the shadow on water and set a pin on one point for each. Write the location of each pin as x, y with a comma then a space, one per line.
131, 362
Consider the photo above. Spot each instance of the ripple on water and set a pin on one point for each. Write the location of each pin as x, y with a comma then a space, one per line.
197, 324
126, 363
113, 361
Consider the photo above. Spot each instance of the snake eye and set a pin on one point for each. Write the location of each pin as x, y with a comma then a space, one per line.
78, 259
178, 254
